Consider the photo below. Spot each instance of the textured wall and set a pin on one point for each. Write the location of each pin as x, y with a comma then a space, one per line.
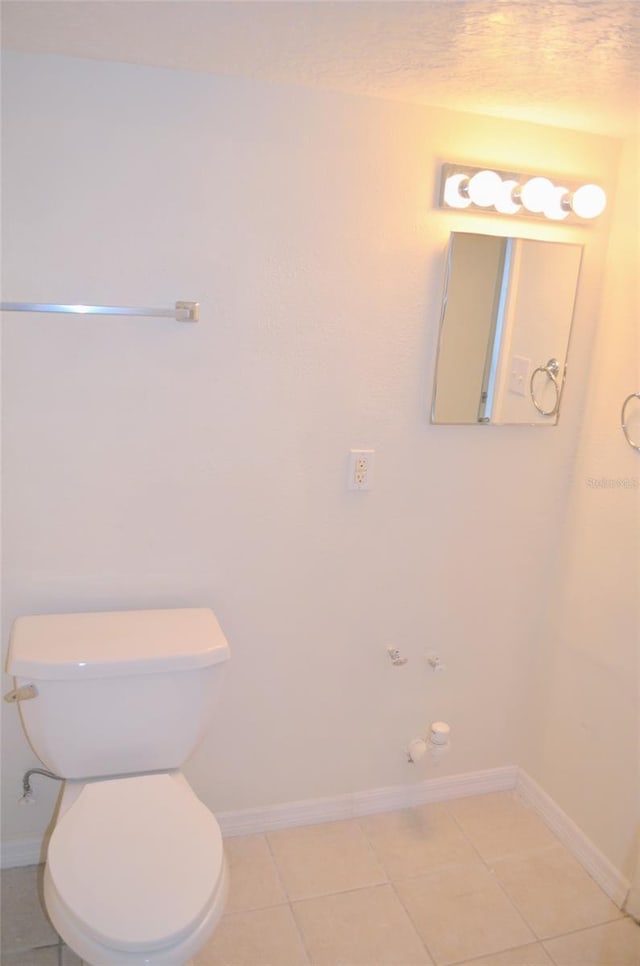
155, 464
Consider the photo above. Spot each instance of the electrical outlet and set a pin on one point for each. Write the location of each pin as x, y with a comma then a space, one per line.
360, 469
519, 375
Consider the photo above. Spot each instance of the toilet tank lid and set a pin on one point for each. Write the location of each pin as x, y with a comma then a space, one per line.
58, 647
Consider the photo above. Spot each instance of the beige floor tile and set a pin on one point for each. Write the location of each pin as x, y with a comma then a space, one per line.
368, 927
554, 893
461, 912
499, 825
319, 859
24, 922
255, 883
532, 955
264, 937
417, 840
45, 956
69, 958
614, 944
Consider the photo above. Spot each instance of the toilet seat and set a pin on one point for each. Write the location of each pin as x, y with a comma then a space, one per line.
136, 861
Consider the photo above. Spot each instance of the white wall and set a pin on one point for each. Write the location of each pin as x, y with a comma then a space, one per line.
150, 463
586, 747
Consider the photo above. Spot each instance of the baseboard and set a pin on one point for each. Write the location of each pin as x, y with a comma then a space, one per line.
314, 811
574, 839
22, 852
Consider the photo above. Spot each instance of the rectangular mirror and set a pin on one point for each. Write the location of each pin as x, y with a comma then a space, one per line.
504, 330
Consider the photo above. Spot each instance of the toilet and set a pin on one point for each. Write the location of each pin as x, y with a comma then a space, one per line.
114, 703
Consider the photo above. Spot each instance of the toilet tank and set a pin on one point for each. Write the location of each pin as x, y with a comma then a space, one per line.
117, 692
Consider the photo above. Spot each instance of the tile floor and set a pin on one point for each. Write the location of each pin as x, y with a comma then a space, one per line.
478, 881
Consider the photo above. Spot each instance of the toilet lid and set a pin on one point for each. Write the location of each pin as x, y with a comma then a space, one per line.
136, 860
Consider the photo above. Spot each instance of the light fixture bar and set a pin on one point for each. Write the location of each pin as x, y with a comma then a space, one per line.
468, 188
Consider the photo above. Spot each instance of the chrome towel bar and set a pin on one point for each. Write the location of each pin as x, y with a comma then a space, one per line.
182, 312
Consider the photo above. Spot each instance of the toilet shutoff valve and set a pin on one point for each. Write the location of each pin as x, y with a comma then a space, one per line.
21, 694
435, 663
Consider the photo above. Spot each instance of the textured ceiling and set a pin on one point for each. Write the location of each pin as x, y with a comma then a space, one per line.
575, 64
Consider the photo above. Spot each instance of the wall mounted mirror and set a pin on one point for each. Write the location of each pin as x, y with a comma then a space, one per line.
504, 330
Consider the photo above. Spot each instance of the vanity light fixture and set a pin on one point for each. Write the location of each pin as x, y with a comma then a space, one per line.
509, 193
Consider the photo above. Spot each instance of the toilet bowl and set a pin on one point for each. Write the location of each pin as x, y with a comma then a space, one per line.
135, 871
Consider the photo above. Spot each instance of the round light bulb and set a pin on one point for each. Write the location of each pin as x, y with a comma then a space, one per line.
535, 194
589, 201
452, 196
554, 209
484, 188
504, 203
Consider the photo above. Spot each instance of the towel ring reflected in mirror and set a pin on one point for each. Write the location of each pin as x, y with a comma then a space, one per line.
625, 428
552, 370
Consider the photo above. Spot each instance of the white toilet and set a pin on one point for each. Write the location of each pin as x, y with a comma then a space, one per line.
115, 703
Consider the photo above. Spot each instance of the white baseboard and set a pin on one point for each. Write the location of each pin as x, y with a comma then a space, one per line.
21, 852
574, 839
313, 811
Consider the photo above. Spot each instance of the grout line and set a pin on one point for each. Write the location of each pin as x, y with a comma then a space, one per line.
377, 857
554, 961
594, 925
510, 949
576, 932
466, 837
513, 903
340, 892
265, 836
307, 951
305, 948
415, 928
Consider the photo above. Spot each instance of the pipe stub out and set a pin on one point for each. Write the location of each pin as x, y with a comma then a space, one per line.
436, 742
440, 733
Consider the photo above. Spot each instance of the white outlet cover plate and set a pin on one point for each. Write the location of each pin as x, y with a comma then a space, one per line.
519, 375
360, 475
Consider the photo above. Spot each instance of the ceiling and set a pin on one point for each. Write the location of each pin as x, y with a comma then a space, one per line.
573, 64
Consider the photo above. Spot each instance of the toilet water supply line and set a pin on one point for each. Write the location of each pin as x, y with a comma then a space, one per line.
25, 693
28, 798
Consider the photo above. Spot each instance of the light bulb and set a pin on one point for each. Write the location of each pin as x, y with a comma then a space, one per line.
589, 201
504, 203
535, 194
554, 208
452, 195
484, 188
